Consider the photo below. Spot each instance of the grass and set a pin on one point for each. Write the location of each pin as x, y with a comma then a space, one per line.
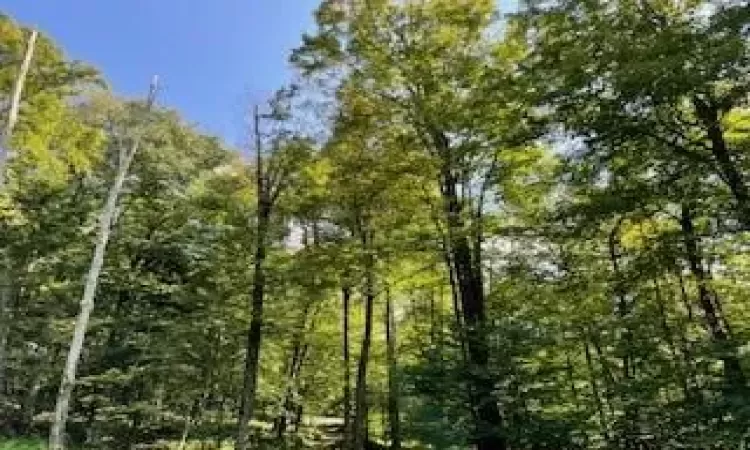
22, 444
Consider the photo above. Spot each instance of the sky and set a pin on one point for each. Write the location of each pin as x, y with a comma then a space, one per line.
214, 57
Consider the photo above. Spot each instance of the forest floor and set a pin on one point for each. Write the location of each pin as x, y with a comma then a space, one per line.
39, 444
21, 444
36, 444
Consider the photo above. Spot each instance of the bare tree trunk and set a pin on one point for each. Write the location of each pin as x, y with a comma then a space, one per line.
394, 420
15, 105
254, 334
106, 219
6, 288
346, 297
360, 397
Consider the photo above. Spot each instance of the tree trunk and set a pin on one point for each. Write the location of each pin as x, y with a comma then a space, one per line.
297, 359
219, 438
488, 419
254, 336
610, 386
106, 219
708, 301
394, 420
433, 318
623, 305
254, 333
729, 170
15, 105
580, 405
57, 433
299, 412
680, 359
190, 420
631, 430
595, 392
360, 396
346, 296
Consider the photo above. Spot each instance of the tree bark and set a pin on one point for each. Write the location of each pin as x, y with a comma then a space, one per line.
729, 170
394, 419
595, 392
361, 407
708, 301
580, 406
680, 359
488, 419
299, 353
623, 306
610, 386
346, 297
252, 357
189, 422
254, 334
106, 220
15, 105
631, 429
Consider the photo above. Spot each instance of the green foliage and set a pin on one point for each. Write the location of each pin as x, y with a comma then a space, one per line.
21, 444
591, 156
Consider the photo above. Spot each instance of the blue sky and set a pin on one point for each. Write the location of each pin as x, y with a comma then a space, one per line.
215, 57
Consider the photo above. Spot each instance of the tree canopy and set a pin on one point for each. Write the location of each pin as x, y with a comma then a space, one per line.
459, 228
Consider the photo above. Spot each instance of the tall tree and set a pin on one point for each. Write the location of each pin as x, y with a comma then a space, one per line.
274, 172
125, 157
416, 69
532, 226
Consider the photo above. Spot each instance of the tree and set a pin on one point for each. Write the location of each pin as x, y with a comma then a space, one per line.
532, 227
32, 128
125, 158
415, 60
273, 176
672, 98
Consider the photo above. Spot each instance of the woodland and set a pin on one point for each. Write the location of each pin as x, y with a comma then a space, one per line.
457, 228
